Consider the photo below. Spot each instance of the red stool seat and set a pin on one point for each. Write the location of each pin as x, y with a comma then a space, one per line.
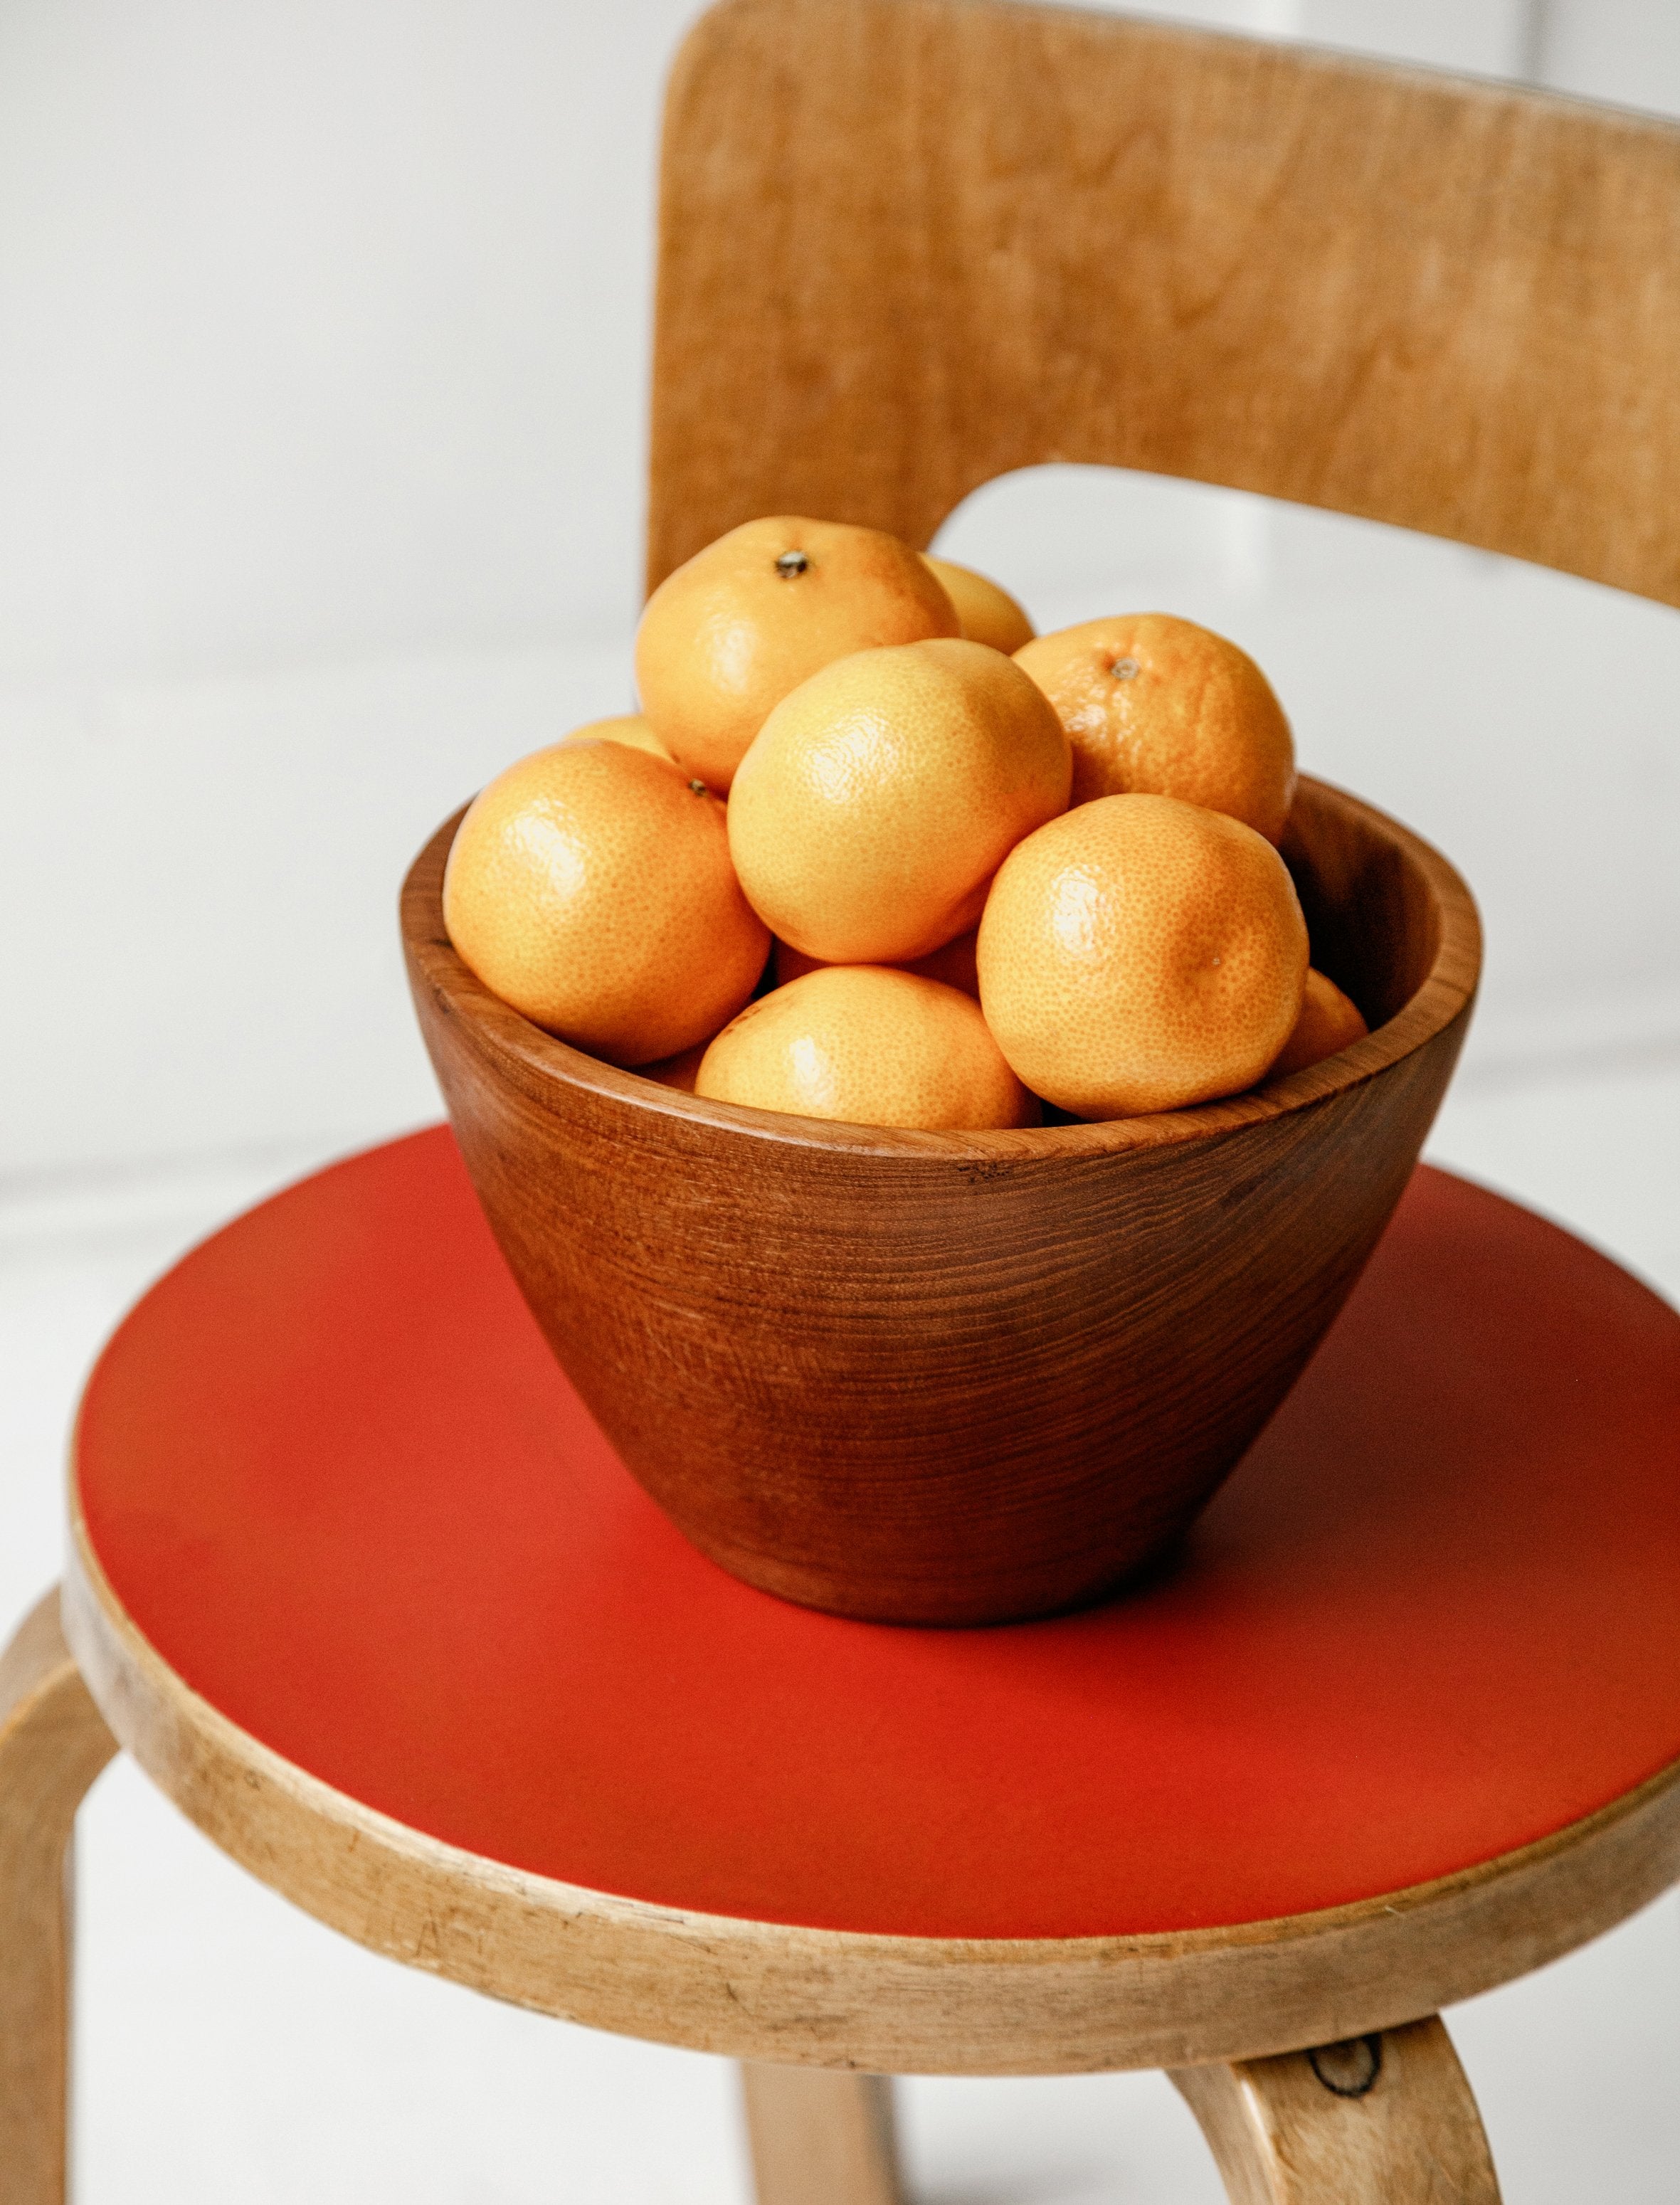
332, 1473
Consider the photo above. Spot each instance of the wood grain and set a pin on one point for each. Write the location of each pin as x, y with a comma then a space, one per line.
907, 245
955, 1378
821, 2137
53, 1742
1387, 2119
763, 1991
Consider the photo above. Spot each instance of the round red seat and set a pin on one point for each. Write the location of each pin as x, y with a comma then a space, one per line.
330, 1470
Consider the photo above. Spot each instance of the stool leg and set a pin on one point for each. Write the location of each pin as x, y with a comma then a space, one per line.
1385, 2119
820, 2136
53, 1742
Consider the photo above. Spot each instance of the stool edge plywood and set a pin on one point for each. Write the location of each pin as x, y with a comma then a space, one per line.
1284, 2127
773, 1991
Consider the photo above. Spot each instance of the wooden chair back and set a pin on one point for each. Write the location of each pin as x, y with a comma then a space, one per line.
907, 245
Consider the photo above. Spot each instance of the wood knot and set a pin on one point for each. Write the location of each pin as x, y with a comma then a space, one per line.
1350, 2067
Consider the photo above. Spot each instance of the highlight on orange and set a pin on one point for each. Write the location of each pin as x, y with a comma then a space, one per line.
879, 797
1155, 705
1140, 953
590, 886
870, 1046
628, 728
724, 639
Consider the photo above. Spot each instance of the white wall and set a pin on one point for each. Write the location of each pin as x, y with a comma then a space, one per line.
322, 384
325, 326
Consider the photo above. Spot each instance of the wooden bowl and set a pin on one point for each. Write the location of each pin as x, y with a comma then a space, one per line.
956, 1378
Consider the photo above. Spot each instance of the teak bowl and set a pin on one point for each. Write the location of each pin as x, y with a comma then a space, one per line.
956, 1378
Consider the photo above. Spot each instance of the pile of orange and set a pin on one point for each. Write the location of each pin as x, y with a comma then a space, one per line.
873, 851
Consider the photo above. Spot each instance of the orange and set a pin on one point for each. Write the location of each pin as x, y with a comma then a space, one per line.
954, 964
989, 613
1329, 1022
1139, 953
590, 886
1157, 706
882, 794
872, 1046
758, 612
628, 728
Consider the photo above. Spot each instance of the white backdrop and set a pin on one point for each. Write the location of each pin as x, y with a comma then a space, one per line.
321, 385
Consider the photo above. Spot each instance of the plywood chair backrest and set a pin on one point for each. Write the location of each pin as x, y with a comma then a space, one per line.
907, 245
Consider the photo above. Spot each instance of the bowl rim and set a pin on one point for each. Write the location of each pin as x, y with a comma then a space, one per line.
539, 1059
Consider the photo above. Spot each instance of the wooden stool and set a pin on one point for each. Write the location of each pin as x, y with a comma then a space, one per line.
357, 1581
